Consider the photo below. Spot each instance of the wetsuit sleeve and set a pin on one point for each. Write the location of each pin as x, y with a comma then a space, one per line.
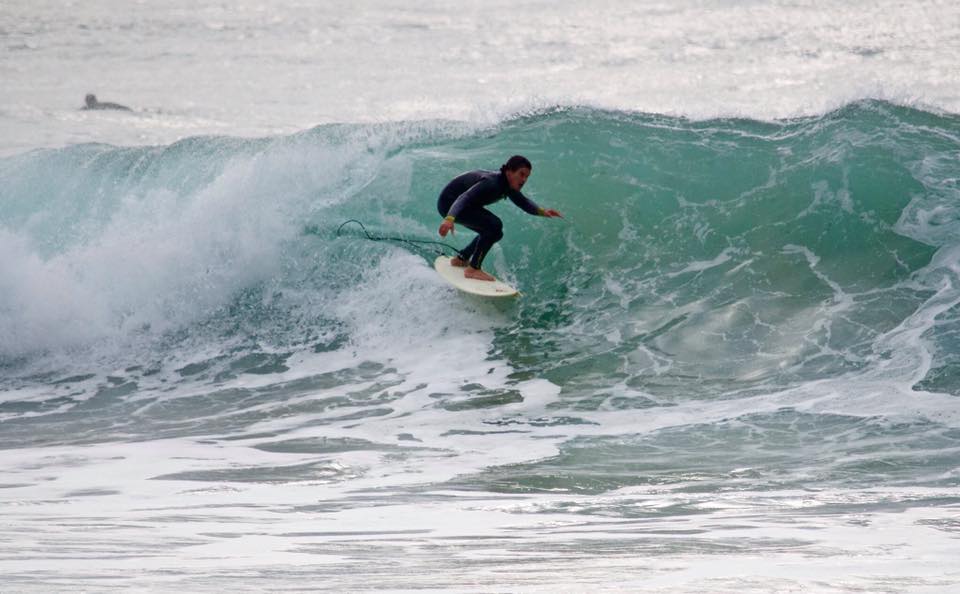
469, 198
525, 203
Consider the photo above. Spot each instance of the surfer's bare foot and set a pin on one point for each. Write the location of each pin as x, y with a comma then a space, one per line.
477, 274
458, 262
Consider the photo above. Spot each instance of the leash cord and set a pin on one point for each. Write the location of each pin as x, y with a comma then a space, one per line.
414, 242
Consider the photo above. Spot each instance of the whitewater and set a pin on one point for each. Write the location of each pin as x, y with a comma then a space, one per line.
734, 366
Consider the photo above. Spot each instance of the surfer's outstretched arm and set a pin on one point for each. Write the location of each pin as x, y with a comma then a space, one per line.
531, 207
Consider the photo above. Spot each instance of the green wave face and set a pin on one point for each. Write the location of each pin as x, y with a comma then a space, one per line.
696, 259
716, 257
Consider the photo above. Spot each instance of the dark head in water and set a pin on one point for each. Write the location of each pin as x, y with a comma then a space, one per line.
92, 103
517, 169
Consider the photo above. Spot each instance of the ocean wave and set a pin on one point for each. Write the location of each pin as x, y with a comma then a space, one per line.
714, 256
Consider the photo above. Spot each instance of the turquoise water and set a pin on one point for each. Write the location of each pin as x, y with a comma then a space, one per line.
731, 310
695, 256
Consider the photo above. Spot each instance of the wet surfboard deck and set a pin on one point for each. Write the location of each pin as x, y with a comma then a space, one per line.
454, 276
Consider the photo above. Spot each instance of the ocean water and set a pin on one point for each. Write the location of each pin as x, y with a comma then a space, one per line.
735, 365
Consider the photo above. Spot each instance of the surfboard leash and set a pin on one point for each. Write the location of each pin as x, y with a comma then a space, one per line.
413, 242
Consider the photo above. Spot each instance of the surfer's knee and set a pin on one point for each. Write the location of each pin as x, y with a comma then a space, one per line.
493, 235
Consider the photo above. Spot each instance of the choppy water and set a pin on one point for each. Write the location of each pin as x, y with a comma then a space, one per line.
733, 367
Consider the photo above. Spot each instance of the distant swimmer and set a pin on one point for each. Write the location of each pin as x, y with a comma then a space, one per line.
463, 201
92, 103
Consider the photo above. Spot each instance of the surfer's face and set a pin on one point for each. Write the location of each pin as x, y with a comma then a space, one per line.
517, 177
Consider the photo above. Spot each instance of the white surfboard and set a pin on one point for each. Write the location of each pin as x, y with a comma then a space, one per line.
454, 276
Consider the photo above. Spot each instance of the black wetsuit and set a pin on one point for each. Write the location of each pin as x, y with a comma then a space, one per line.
464, 199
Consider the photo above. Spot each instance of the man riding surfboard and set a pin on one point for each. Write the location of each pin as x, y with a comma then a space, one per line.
464, 201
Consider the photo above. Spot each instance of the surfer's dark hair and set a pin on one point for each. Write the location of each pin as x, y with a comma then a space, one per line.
516, 162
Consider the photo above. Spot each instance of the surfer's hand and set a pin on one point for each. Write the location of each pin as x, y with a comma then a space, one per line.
446, 227
549, 212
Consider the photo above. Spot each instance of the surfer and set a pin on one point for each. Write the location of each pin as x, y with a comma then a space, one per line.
92, 103
464, 199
